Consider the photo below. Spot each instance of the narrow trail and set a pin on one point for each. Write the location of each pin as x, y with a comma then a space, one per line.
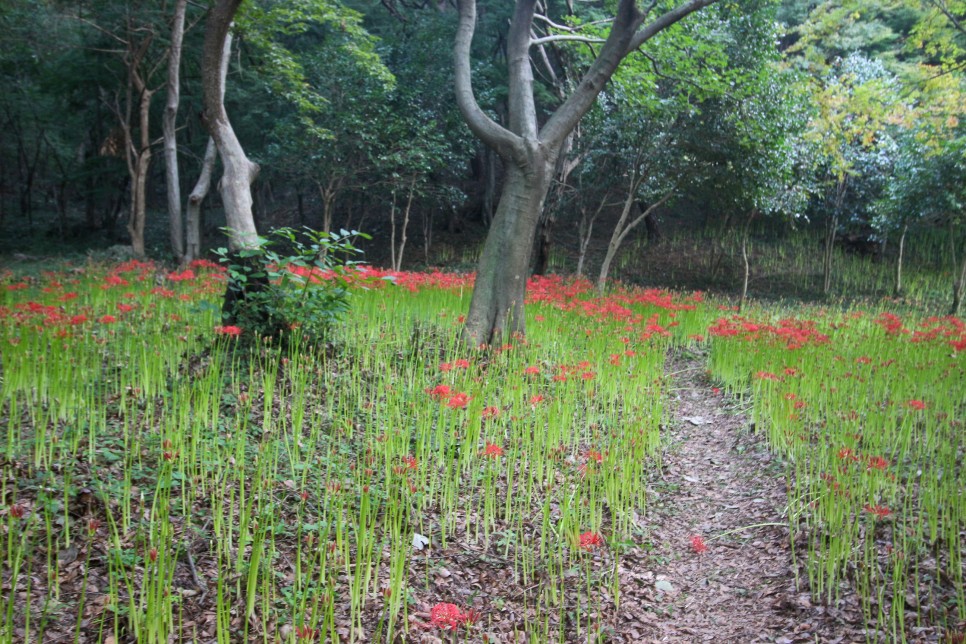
719, 483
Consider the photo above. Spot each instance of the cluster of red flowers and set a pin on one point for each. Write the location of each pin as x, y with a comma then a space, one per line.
698, 545
792, 333
590, 541
450, 616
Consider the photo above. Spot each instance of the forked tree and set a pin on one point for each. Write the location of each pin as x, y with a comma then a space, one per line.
530, 150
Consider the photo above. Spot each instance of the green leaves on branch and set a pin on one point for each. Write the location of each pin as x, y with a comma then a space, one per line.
291, 282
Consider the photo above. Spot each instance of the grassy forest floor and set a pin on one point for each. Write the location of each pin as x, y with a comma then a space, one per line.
644, 468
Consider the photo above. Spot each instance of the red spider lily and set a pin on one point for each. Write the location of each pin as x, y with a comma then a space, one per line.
17, 511
594, 456
590, 541
877, 463
232, 331
615, 359
536, 399
492, 450
915, 404
447, 616
531, 371
847, 454
306, 633
588, 375
767, 375
491, 411
125, 308
698, 545
410, 462
439, 391
108, 319
445, 367
78, 319
879, 511
153, 554
462, 363
458, 401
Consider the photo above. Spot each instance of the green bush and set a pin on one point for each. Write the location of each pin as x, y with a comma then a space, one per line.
292, 280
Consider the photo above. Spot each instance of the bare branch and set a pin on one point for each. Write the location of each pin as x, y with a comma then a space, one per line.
562, 37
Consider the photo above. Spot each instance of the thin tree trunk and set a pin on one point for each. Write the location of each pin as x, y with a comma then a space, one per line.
830, 234
902, 248
195, 199
141, 164
623, 227
392, 232
744, 257
172, 178
397, 261
585, 230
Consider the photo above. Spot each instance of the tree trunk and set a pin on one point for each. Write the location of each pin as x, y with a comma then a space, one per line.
544, 241
200, 191
398, 254
172, 178
141, 164
195, 199
902, 248
496, 309
830, 233
623, 227
239, 171
529, 152
744, 258
585, 230
959, 287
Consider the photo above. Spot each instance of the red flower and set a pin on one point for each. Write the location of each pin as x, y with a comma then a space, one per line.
492, 450
877, 463
17, 511
590, 540
233, 331
125, 308
445, 367
491, 412
880, 511
439, 391
536, 399
916, 404
698, 545
531, 371
108, 319
462, 363
448, 616
411, 462
458, 401
78, 319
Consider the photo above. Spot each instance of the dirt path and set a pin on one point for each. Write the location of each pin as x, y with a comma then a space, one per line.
720, 484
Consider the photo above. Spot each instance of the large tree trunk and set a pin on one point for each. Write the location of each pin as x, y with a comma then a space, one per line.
172, 178
528, 151
239, 171
200, 191
496, 309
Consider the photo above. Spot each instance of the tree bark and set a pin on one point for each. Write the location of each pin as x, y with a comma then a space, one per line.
139, 164
744, 258
200, 191
172, 178
529, 152
623, 227
239, 171
902, 248
959, 287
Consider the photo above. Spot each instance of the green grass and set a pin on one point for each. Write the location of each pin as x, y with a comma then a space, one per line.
155, 472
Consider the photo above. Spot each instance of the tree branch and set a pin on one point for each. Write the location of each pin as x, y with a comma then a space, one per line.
489, 131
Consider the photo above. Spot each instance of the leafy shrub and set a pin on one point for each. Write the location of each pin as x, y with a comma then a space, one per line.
292, 280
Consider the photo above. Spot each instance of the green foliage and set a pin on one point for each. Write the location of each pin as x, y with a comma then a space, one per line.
290, 281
